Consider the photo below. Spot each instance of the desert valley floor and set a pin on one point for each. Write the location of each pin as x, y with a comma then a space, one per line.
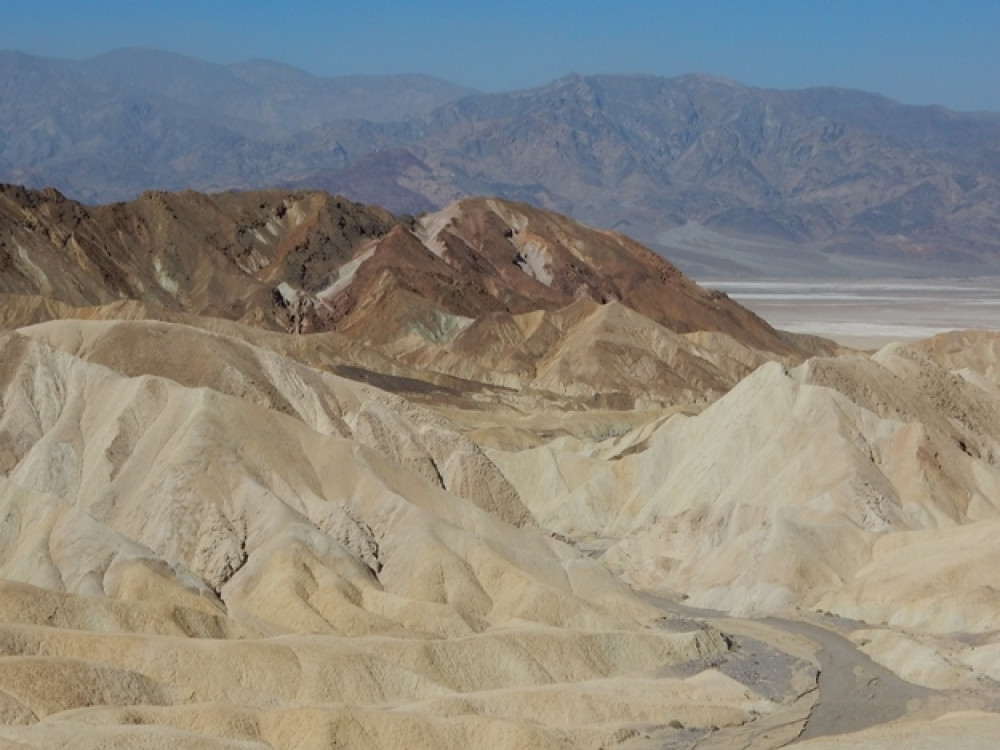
869, 314
282, 471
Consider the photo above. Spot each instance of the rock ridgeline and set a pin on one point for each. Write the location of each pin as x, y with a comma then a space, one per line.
724, 177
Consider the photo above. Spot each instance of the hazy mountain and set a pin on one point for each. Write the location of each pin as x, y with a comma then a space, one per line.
110, 127
842, 172
269, 96
726, 178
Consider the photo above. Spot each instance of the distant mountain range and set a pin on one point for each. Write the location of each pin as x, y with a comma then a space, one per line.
723, 178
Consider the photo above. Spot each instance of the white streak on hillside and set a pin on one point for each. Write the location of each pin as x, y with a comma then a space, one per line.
432, 225
345, 275
536, 262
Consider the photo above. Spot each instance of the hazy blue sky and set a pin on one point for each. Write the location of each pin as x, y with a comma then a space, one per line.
917, 51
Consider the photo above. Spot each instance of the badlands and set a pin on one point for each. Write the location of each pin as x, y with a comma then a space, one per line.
282, 471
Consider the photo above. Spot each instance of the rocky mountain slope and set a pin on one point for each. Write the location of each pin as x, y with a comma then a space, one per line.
439, 294
728, 179
278, 470
841, 173
113, 126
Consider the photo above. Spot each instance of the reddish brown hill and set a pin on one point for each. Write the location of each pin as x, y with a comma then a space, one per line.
308, 262
604, 266
485, 255
220, 255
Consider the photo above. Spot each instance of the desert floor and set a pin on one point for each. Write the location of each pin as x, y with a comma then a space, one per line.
868, 314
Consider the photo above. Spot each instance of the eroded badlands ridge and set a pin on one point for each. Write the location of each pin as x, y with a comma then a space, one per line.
465, 510
312, 262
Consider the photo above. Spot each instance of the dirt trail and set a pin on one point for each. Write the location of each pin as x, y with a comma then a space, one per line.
853, 691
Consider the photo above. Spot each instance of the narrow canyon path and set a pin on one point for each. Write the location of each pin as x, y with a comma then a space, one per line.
852, 692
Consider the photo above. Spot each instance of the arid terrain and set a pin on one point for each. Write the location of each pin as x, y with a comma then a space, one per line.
869, 314
724, 178
278, 470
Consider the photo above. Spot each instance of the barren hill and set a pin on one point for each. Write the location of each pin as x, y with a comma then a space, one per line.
310, 262
278, 470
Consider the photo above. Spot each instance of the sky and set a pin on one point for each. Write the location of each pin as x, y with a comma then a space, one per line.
917, 52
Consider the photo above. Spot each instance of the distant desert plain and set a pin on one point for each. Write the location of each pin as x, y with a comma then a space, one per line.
283, 471
869, 314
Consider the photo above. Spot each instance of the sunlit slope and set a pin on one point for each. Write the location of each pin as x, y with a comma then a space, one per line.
235, 548
855, 484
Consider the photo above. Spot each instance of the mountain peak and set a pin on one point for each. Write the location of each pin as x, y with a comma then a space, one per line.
850, 182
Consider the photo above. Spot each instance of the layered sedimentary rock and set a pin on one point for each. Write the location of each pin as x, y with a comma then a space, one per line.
490, 499
244, 548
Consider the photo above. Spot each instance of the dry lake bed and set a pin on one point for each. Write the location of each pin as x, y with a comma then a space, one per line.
871, 313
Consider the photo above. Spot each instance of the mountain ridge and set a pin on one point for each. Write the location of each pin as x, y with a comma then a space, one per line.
849, 182
311, 247
480, 301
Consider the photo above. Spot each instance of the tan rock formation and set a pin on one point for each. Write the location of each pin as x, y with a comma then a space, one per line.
465, 510
230, 556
